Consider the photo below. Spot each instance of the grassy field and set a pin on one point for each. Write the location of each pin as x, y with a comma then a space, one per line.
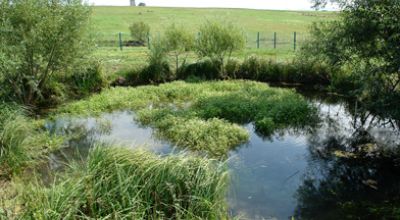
109, 21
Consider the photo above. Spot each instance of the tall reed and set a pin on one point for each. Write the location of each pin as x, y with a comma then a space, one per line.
119, 183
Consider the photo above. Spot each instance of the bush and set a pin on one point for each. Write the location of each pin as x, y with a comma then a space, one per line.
207, 69
178, 41
232, 69
217, 41
157, 70
42, 39
253, 68
87, 81
140, 32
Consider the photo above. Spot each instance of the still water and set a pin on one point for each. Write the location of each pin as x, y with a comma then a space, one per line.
337, 168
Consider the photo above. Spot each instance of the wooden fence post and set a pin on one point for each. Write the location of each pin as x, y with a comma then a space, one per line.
258, 40
295, 40
120, 40
274, 40
148, 41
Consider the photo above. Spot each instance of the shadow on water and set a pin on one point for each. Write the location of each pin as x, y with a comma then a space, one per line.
346, 167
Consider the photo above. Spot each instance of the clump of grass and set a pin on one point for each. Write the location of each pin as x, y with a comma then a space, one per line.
21, 141
202, 116
215, 136
119, 183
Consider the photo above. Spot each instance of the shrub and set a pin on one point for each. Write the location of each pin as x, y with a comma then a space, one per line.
157, 70
88, 80
251, 68
207, 69
41, 39
254, 68
140, 31
232, 69
178, 41
217, 41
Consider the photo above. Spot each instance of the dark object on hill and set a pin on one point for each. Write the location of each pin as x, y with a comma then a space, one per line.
142, 4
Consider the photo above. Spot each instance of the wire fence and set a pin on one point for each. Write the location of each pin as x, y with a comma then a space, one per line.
258, 40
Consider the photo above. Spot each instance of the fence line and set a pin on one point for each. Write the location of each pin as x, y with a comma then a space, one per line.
258, 40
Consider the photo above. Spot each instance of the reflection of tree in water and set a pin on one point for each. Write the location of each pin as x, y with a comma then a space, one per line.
354, 172
79, 138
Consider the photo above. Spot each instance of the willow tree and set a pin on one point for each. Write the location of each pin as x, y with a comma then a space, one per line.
39, 39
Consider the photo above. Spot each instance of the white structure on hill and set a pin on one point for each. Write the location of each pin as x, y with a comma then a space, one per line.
133, 3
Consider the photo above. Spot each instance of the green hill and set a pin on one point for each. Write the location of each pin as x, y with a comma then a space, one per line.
109, 21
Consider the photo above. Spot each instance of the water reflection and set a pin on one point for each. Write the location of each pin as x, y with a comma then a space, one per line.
116, 128
347, 166
353, 170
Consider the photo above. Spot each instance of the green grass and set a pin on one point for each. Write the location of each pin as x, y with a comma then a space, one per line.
203, 116
119, 183
22, 141
109, 21
115, 61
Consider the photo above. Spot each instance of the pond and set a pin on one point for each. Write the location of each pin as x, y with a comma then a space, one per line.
339, 167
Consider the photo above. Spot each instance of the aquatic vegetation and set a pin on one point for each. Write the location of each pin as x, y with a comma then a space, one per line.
119, 183
214, 135
20, 140
202, 116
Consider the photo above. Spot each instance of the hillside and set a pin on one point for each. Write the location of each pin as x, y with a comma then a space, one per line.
111, 20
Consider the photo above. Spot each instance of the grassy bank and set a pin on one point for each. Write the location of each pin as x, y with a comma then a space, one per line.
118, 183
203, 116
23, 141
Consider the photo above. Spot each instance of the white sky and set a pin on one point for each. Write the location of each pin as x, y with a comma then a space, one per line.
255, 4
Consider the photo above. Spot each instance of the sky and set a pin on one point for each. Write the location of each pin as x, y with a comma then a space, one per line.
254, 4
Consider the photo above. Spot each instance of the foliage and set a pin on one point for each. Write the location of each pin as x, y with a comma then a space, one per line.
178, 41
140, 31
119, 183
157, 70
21, 140
363, 42
213, 135
253, 68
39, 39
87, 80
201, 116
217, 41
206, 69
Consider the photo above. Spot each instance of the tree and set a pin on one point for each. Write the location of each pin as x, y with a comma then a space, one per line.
363, 42
140, 31
178, 41
39, 38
